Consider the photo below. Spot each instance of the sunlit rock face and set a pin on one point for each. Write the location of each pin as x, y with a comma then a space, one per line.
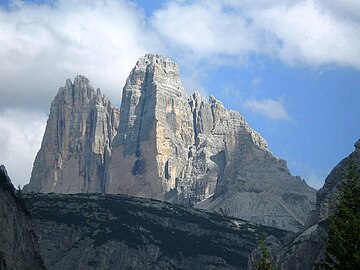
76, 145
193, 151
166, 145
155, 131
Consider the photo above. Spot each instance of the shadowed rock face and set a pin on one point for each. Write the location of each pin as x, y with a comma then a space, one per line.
76, 143
18, 248
307, 248
169, 146
91, 231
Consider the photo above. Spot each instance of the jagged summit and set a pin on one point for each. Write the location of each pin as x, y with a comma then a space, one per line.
156, 68
166, 145
77, 139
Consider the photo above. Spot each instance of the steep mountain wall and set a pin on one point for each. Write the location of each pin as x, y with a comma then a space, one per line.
193, 151
18, 248
77, 141
168, 146
155, 131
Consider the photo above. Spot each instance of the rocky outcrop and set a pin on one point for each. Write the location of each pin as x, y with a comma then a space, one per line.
18, 248
168, 146
76, 145
193, 151
155, 131
326, 197
120, 232
258, 187
303, 251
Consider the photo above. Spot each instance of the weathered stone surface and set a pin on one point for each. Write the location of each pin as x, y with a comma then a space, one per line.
18, 244
258, 187
120, 232
155, 131
307, 248
326, 197
168, 146
193, 151
76, 145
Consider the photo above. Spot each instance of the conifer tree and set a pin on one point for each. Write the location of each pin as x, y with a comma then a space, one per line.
265, 261
343, 244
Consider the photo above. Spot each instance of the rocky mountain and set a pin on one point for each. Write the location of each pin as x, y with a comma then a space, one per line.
18, 248
77, 141
92, 231
168, 146
308, 247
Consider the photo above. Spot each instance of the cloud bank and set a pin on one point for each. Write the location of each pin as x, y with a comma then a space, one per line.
42, 45
310, 32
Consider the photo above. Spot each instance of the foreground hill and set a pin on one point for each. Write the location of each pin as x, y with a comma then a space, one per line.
89, 231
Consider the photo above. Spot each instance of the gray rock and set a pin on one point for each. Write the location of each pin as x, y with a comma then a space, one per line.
87, 231
18, 248
155, 131
306, 249
76, 145
194, 152
168, 146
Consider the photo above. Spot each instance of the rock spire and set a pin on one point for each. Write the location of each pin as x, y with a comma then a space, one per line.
76, 145
169, 146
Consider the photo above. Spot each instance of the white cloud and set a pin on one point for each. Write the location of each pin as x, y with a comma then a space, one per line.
206, 29
269, 108
311, 32
20, 137
42, 45
310, 35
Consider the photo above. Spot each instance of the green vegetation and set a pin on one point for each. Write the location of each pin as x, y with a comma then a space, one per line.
265, 260
343, 244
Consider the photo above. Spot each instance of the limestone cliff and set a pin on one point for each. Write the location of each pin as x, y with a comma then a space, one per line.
193, 151
169, 146
76, 145
18, 248
155, 131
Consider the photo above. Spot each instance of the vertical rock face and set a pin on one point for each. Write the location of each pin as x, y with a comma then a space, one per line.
18, 248
76, 145
155, 131
193, 151
168, 146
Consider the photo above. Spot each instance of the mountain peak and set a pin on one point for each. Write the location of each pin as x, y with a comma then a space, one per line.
77, 139
168, 146
154, 69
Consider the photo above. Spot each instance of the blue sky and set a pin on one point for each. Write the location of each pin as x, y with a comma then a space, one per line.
291, 67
